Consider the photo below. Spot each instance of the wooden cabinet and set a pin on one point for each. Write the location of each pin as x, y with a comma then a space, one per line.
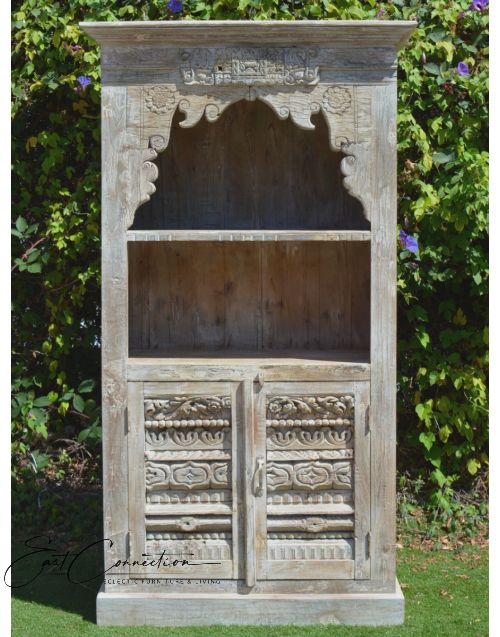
263, 480
249, 235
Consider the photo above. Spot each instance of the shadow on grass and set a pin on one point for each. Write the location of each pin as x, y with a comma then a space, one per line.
56, 552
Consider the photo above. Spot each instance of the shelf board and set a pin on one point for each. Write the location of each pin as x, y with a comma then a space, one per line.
269, 365
248, 235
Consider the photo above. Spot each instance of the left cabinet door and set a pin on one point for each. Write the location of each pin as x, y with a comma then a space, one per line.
184, 479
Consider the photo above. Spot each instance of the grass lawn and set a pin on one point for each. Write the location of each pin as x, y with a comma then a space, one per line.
446, 595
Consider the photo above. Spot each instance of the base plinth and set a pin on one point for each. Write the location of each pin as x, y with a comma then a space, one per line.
163, 609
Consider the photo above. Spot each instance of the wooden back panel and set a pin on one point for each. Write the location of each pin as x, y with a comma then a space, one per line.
249, 295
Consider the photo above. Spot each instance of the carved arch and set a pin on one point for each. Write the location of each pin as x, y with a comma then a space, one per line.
338, 103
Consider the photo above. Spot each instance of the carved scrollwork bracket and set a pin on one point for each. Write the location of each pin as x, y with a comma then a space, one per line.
355, 167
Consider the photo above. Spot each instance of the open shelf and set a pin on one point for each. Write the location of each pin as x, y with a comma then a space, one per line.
259, 358
248, 235
249, 296
160, 365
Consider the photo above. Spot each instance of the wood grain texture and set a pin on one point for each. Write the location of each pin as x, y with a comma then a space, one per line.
248, 235
176, 609
383, 339
136, 488
249, 295
114, 322
354, 33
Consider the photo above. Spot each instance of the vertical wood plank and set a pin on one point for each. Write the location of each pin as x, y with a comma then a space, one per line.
140, 313
242, 280
238, 478
161, 276
137, 486
181, 304
114, 321
260, 435
206, 293
362, 518
383, 335
360, 294
334, 296
250, 529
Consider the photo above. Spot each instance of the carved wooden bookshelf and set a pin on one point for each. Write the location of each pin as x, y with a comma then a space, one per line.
248, 322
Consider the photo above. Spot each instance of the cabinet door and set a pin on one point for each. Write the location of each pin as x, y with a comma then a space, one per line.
312, 480
184, 477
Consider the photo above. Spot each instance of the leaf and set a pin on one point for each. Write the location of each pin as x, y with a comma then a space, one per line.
427, 438
86, 386
43, 401
439, 477
442, 158
21, 224
432, 68
39, 460
36, 415
437, 35
78, 403
423, 337
472, 466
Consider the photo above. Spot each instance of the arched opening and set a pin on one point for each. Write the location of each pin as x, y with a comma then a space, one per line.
250, 170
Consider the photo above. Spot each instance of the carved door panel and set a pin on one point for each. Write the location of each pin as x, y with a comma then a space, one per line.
312, 480
184, 478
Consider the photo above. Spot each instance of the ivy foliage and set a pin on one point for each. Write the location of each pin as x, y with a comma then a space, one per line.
442, 130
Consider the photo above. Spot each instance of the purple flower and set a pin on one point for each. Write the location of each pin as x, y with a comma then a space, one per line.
380, 13
463, 69
424, 58
175, 6
83, 80
478, 5
408, 242
461, 15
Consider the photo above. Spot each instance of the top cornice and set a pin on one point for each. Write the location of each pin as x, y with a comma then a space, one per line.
353, 33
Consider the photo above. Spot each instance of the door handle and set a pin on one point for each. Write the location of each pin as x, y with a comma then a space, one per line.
258, 478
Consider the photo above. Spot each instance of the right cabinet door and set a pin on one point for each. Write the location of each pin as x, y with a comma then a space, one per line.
312, 491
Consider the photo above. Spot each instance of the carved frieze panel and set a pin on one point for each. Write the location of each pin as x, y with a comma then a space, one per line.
197, 438
303, 438
310, 524
333, 549
289, 66
307, 407
314, 497
188, 423
187, 475
174, 410
189, 523
193, 549
172, 496
309, 476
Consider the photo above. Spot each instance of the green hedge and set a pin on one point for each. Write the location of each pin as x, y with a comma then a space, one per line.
443, 159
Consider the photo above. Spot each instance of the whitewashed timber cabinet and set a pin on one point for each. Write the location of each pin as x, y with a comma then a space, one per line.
248, 321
